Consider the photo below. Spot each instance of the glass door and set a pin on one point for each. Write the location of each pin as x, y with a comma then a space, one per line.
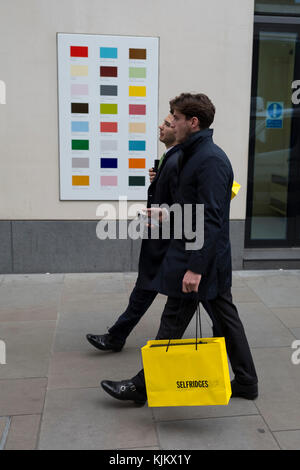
273, 198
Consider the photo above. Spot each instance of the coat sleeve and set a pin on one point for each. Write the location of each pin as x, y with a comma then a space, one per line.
213, 188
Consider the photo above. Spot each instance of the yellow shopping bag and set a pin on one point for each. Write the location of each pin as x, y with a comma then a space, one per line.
235, 189
186, 374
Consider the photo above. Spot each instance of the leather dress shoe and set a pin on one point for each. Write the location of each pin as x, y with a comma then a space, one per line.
249, 392
124, 390
105, 342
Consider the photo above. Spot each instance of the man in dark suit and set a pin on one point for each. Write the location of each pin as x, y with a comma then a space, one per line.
161, 191
205, 177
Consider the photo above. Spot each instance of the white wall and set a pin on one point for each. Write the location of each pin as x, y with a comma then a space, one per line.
205, 46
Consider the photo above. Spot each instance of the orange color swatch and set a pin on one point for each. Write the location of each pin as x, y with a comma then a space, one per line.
137, 163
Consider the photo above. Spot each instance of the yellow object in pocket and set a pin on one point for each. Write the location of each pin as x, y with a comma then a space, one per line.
235, 189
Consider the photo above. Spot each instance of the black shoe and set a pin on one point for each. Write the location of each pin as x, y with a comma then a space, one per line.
124, 390
249, 392
105, 342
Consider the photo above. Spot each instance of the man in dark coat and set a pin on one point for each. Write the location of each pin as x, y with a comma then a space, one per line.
205, 176
161, 191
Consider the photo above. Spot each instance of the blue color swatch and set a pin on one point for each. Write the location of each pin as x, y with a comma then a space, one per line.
108, 52
108, 163
137, 145
80, 126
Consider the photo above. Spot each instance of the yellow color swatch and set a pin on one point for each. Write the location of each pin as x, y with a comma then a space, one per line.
138, 127
79, 70
80, 180
137, 91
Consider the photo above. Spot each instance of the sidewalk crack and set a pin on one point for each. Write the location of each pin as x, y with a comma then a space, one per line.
5, 433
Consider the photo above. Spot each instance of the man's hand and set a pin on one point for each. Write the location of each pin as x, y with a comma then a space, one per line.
190, 282
156, 216
151, 174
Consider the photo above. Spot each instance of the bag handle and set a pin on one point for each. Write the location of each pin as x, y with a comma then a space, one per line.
198, 325
198, 320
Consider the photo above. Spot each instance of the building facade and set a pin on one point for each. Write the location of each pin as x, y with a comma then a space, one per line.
243, 55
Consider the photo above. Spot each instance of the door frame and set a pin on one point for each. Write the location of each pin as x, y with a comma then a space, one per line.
284, 24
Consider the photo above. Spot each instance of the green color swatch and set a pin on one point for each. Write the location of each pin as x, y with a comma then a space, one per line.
137, 72
107, 108
137, 181
80, 145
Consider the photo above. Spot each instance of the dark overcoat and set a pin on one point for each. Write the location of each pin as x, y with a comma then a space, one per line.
205, 176
162, 190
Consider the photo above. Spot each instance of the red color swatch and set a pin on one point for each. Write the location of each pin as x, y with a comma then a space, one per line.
108, 127
139, 109
108, 71
79, 51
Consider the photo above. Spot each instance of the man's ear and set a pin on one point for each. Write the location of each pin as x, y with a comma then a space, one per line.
195, 123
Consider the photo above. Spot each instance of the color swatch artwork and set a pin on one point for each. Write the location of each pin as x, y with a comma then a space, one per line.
108, 108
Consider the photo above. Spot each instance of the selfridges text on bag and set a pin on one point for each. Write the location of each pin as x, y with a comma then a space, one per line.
187, 372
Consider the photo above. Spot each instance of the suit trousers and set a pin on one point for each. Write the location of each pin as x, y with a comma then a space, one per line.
139, 302
178, 314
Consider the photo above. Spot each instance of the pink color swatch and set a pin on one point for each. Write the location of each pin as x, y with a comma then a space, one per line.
109, 180
79, 89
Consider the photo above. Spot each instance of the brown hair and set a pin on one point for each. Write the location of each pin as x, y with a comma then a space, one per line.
197, 105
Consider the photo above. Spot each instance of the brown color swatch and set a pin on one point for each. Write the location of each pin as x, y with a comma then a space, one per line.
80, 108
138, 54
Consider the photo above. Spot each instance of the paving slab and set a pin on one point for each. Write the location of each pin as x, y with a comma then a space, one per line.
229, 433
288, 440
23, 433
2, 427
104, 305
85, 419
76, 305
263, 329
30, 313
281, 290
90, 314
235, 407
279, 384
290, 317
94, 283
243, 294
30, 297
34, 279
81, 369
22, 396
28, 348
296, 332
237, 280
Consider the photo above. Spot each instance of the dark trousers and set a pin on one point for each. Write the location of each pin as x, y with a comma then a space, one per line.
139, 302
226, 315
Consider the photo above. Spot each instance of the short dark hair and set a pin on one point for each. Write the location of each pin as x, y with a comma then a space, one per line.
194, 105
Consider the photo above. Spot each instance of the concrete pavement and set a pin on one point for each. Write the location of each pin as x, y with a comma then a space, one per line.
49, 387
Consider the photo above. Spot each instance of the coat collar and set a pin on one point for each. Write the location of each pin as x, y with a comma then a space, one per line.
168, 155
172, 150
196, 138
193, 140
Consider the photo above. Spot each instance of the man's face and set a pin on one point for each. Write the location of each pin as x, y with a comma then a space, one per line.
166, 132
182, 126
